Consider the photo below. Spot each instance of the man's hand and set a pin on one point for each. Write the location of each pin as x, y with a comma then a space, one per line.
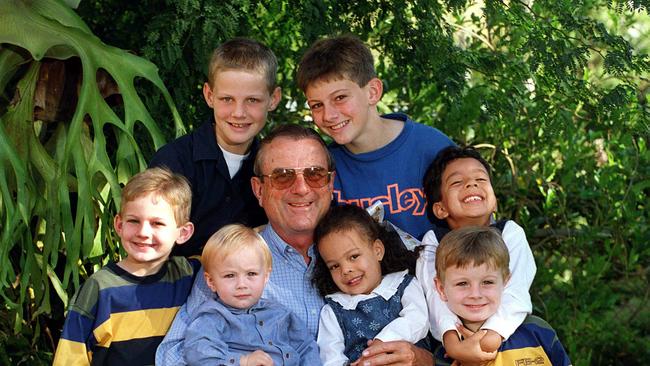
394, 353
257, 358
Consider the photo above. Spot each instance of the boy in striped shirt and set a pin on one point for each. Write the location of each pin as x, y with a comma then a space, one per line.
123, 311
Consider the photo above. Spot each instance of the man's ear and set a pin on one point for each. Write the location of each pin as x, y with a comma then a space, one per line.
440, 288
257, 185
276, 96
375, 90
186, 231
378, 249
207, 94
439, 210
330, 185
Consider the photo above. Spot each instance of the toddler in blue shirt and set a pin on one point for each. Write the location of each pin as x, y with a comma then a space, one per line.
236, 327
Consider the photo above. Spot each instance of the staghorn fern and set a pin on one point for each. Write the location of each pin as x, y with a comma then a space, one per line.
60, 181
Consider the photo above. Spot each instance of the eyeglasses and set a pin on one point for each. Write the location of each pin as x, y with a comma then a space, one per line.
283, 178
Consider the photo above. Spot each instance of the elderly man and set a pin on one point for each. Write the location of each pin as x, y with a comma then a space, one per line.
293, 184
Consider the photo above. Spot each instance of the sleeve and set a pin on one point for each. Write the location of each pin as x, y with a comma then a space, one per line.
77, 341
441, 318
330, 339
302, 340
171, 349
412, 323
515, 302
204, 341
169, 156
558, 355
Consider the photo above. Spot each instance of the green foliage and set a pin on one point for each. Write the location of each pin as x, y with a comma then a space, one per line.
60, 177
555, 92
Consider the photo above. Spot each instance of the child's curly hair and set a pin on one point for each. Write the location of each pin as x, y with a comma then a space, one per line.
351, 217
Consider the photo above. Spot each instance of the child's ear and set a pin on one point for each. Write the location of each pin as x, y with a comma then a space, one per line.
118, 224
208, 281
375, 90
186, 231
439, 210
267, 276
507, 279
207, 94
276, 95
440, 288
378, 249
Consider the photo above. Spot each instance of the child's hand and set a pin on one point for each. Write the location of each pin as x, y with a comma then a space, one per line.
257, 358
468, 351
491, 341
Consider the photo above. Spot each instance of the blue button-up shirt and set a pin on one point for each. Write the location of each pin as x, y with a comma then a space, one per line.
220, 334
289, 284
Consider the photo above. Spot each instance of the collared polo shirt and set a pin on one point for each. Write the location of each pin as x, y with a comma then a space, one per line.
217, 199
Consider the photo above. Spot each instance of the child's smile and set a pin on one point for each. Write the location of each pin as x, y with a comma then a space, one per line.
353, 261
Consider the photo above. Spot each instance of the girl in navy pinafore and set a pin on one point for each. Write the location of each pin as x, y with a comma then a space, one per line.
362, 270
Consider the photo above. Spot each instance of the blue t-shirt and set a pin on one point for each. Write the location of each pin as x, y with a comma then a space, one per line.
392, 174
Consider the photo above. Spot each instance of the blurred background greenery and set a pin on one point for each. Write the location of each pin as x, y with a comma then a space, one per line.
554, 93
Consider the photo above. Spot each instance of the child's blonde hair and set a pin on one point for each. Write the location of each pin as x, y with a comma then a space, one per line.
232, 238
472, 245
244, 54
171, 187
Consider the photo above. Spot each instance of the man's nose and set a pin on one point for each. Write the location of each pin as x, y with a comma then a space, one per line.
300, 185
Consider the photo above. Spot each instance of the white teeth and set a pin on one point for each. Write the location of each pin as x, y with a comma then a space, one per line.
472, 198
340, 125
299, 204
238, 125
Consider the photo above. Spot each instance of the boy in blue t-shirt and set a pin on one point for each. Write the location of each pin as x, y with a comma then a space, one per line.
378, 157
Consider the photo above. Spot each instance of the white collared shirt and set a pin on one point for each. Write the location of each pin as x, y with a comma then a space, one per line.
411, 325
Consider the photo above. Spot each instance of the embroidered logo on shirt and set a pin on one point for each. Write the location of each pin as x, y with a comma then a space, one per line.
530, 361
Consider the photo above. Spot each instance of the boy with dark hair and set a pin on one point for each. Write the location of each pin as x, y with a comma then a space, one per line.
458, 189
122, 312
378, 157
217, 158
472, 269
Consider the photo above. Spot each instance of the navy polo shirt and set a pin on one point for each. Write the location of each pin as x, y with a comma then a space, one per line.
217, 200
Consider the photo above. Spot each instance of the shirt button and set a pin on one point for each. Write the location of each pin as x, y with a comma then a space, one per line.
227, 199
270, 343
286, 355
261, 322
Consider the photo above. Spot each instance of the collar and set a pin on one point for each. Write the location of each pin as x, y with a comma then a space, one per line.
386, 289
205, 145
259, 305
277, 244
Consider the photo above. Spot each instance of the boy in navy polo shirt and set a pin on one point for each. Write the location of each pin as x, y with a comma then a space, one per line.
217, 158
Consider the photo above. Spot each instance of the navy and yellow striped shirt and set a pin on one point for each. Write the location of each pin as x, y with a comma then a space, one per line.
117, 318
534, 343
